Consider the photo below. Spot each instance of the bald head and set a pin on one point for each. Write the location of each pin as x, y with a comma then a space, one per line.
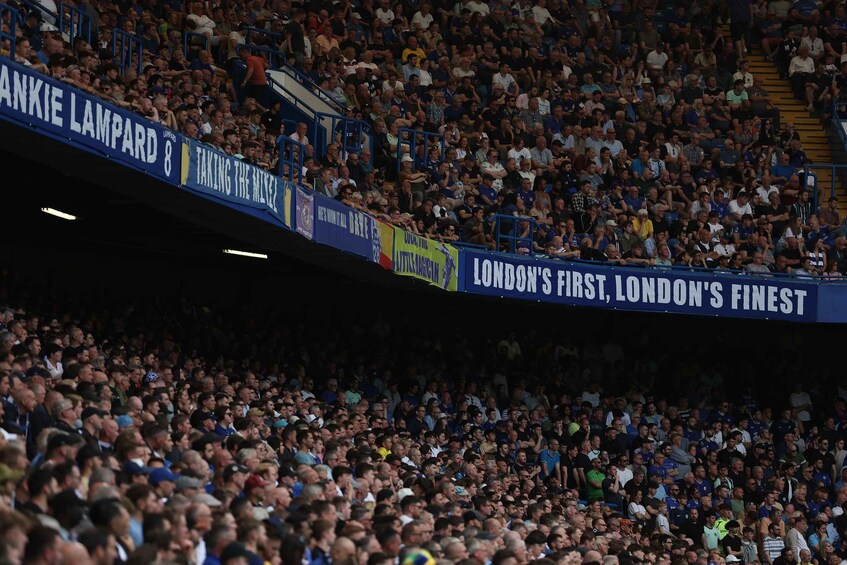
75, 554
592, 557
343, 548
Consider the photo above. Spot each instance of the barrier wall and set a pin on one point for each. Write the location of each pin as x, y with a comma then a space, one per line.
61, 112
65, 113
651, 290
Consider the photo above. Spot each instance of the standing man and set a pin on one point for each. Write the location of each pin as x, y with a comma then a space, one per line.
255, 81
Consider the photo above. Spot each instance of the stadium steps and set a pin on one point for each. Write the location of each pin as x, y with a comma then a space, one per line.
816, 141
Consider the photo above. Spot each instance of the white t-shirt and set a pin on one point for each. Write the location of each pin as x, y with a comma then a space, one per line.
202, 24
734, 208
505, 81
541, 15
420, 21
519, 155
385, 16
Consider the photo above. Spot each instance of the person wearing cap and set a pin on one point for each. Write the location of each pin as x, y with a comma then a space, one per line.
234, 479
92, 424
163, 482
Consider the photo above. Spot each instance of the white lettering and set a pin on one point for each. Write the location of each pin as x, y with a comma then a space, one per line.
34, 108
5, 87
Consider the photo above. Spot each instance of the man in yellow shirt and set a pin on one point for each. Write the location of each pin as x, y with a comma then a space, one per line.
412, 48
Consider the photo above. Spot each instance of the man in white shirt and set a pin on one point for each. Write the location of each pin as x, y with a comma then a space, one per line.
422, 18
801, 68
740, 206
519, 152
385, 14
479, 7
506, 80
813, 43
203, 23
299, 134
657, 58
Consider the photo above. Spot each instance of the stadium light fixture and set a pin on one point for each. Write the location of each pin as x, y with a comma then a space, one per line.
59, 214
250, 254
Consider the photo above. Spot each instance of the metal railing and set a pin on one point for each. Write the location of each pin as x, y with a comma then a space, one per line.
13, 23
414, 139
289, 96
513, 233
74, 22
274, 56
189, 39
811, 180
46, 15
839, 108
310, 85
127, 51
348, 133
250, 33
818, 279
291, 156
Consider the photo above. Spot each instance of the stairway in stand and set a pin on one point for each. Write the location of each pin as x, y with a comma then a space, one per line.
812, 130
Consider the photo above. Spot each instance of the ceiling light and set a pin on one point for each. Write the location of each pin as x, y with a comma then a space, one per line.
245, 254
58, 214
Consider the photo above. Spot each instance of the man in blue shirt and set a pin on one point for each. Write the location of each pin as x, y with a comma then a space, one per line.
550, 461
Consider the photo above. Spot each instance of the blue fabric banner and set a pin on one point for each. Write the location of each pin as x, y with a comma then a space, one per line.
304, 206
213, 173
79, 119
346, 228
654, 290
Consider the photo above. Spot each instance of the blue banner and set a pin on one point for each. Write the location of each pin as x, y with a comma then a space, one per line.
304, 208
79, 119
653, 290
213, 173
346, 228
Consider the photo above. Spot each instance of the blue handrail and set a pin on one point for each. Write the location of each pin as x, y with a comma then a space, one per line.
274, 55
406, 136
127, 51
46, 15
13, 22
818, 279
839, 122
291, 156
507, 229
74, 22
350, 130
310, 85
275, 38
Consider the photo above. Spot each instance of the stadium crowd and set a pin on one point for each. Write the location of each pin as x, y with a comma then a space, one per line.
157, 432
628, 131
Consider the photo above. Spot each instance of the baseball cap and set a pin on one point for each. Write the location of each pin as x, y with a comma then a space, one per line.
162, 474
91, 411
186, 482
403, 493
256, 412
131, 468
234, 468
407, 159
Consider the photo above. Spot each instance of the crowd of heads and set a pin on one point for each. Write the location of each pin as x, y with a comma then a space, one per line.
173, 433
633, 132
